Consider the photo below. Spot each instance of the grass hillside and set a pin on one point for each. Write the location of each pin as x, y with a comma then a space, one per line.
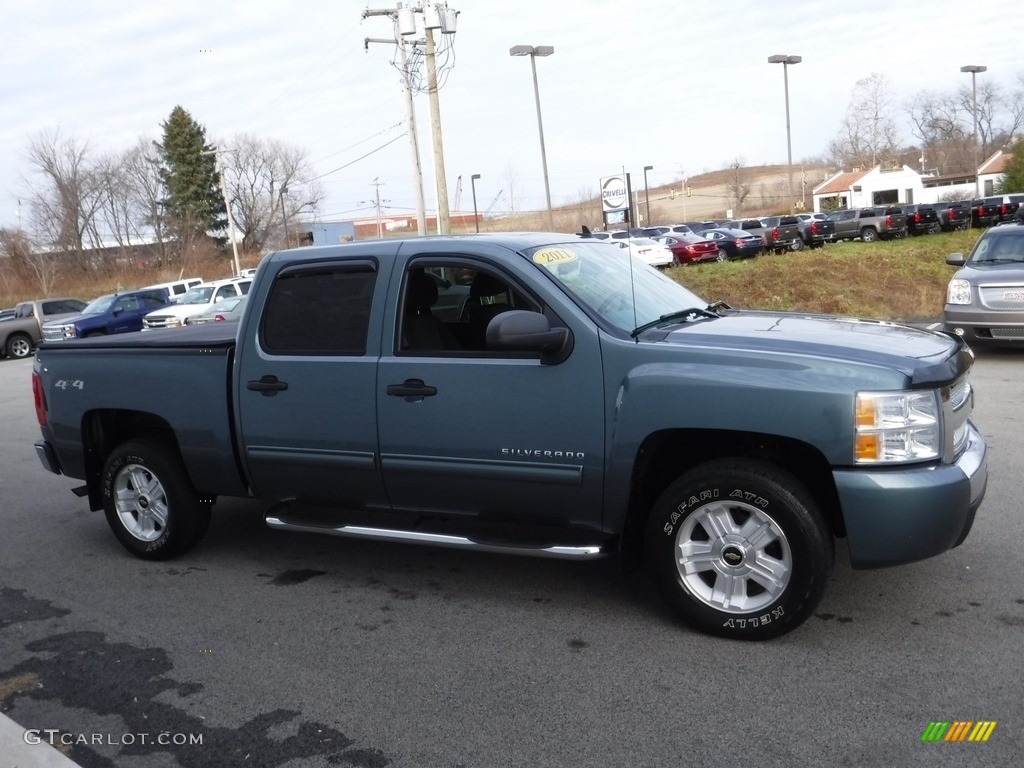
899, 280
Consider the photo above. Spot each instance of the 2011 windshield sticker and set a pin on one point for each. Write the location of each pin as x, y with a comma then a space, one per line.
554, 256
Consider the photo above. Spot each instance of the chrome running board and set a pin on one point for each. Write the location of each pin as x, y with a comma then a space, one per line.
591, 552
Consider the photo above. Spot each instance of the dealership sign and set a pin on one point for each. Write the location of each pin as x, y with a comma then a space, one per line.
615, 193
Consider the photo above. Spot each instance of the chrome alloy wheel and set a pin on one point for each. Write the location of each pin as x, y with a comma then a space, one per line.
141, 502
733, 557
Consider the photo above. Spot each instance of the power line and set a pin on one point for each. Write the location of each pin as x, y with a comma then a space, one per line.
363, 157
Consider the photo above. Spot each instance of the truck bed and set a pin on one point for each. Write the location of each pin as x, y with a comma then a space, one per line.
179, 377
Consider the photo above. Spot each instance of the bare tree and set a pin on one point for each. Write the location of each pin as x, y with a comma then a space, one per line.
65, 195
256, 172
868, 134
738, 185
28, 262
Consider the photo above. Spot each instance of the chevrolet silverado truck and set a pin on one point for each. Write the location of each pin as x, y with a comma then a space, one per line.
584, 405
870, 224
22, 332
815, 229
112, 313
782, 233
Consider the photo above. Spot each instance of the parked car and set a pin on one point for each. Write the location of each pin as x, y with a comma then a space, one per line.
645, 249
20, 334
677, 228
815, 229
922, 218
782, 233
869, 224
750, 226
952, 215
700, 226
6, 313
737, 243
112, 313
1006, 206
226, 311
198, 299
177, 288
985, 298
688, 248
983, 214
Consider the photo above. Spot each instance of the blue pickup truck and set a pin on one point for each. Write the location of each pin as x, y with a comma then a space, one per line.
112, 313
582, 404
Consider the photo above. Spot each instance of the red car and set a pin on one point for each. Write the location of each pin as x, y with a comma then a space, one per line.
689, 248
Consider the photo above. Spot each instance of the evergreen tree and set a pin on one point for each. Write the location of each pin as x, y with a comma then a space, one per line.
1013, 172
194, 205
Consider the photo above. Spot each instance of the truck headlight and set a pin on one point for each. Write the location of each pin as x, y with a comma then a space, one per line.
958, 292
896, 427
70, 332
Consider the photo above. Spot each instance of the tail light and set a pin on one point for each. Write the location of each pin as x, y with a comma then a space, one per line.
219, 318
917, 217
1003, 209
981, 210
775, 233
39, 398
814, 229
888, 221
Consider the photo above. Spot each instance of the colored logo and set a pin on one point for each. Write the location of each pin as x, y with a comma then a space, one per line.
958, 730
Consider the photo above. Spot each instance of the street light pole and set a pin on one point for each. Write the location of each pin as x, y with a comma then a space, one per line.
533, 51
785, 61
472, 183
974, 69
227, 203
647, 195
284, 212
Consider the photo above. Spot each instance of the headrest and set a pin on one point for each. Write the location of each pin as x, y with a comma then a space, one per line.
422, 291
484, 285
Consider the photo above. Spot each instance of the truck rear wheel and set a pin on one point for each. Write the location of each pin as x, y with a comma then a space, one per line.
18, 346
738, 549
868, 235
149, 501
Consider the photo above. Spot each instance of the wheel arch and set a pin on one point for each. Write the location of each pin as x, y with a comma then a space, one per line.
105, 429
666, 454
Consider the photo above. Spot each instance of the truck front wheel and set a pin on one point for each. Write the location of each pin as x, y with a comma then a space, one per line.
18, 346
149, 501
738, 549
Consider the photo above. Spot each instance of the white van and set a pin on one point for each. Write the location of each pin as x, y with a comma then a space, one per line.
177, 288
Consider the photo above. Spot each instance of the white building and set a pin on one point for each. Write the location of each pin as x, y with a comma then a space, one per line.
861, 188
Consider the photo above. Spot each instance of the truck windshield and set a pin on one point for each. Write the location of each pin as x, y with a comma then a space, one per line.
197, 295
99, 306
622, 290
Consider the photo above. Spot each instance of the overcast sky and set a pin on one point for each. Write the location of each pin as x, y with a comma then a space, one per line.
682, 87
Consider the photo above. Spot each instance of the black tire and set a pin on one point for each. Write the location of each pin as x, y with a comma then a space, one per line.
798, 245
733, 517
869, 235
149, 501
19, 346
722, 255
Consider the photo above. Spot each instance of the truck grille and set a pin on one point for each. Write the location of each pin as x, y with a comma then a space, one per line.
162, 321
53, 334
1002, 297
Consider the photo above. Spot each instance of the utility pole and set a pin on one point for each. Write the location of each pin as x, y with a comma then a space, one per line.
380, 230
444, 225
435, 15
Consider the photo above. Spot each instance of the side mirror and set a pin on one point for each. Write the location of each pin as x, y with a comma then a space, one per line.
955, 259
522, 331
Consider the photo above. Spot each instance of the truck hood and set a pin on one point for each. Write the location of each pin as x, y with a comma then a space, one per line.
926, 357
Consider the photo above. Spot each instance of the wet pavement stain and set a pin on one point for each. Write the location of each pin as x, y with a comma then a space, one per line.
83, 670
576, 644
1011, 621
291, 578
17, 606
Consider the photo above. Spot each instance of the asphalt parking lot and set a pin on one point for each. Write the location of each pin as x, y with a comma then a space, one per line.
263, 648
